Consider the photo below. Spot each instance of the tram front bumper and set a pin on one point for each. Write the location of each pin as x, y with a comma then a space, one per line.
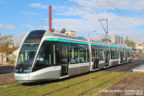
21, 77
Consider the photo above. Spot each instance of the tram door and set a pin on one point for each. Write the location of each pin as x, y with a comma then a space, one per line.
63, 51
125, 56
121, 56
107, 57
64, 69
95, 58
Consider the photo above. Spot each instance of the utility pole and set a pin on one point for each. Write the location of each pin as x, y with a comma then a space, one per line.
104, 28
50, 18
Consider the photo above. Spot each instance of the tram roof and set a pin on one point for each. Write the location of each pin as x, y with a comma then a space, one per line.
65, 36
53, 34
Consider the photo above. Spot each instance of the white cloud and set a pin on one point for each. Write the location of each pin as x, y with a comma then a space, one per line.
112, 4
136, 35
72, 11
59, 8
7, 26
30, 26
38, 5
85, 17
33, 27
29, 13
91, 22
72, 24
87, 13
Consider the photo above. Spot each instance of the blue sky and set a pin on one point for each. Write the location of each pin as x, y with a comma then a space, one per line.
125, 16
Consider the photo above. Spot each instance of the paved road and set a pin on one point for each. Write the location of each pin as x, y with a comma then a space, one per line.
6, 69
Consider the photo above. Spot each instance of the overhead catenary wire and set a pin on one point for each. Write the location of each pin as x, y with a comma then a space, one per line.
111, 4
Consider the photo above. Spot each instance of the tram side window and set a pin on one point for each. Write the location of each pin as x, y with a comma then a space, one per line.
116, 53
83, 53
101, 53
126, 53
112, 53
130, 53
121, 53
95, 52
106, 53
62, 53
74, 56
46, 56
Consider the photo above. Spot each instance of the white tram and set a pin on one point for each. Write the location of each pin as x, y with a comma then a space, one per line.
50, 56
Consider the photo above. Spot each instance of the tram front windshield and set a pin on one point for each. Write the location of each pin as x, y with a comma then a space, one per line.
28, 51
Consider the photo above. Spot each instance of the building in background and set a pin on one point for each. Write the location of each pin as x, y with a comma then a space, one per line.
70, 33
13, 55
114, 39
3, 58
139, 48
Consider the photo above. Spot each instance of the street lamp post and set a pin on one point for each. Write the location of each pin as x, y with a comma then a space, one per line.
89, 33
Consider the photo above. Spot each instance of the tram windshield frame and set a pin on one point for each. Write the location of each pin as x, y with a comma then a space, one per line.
28, 51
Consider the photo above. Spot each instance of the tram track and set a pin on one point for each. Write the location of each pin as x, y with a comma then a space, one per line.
105, 82
14, 89
7, 84
85, 81
82, 93
23, 88
74, 84
20, 90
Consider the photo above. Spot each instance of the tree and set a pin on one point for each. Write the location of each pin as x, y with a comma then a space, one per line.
130, 43
63, 30
106, 40
6, 44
